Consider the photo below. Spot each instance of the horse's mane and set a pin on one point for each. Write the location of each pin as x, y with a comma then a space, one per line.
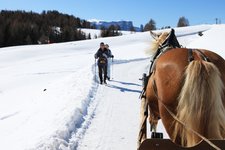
158, 42
164, 40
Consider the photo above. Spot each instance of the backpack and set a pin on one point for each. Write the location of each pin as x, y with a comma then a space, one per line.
102, 61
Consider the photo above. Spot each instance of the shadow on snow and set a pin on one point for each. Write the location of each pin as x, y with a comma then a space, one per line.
123, 89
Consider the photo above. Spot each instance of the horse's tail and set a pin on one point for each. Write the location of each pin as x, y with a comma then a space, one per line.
200, 105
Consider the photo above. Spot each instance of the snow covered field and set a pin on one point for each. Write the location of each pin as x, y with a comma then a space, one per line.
95, 33
49, 98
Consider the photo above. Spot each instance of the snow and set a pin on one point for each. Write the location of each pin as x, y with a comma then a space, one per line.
94, 20
49, 98
96, 33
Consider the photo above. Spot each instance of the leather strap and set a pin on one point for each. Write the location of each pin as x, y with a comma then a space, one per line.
190, 55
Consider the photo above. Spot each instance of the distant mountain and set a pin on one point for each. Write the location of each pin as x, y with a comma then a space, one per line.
124, 25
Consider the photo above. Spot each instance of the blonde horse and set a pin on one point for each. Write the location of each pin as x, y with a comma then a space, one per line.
186, 90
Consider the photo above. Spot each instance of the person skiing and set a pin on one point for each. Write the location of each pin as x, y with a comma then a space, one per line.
110, 55
102, 56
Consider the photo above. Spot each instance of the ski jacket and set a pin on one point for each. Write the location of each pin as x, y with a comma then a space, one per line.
102, 56
110, 55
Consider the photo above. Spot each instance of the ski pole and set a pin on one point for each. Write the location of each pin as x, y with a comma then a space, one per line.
95, 71
112, 68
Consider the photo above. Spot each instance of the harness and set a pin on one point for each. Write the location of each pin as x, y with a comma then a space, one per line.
170, 43
190, 59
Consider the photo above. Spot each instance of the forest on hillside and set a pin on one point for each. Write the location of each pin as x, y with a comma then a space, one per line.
22, 28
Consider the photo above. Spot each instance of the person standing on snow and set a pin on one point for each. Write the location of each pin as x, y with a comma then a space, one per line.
108, 59
102, 56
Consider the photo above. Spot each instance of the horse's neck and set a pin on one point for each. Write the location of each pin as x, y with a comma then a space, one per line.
158, 53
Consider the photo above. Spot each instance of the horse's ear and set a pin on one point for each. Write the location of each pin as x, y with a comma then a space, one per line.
154, 35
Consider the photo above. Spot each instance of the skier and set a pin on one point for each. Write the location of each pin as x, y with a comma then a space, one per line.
108, 59
102, 56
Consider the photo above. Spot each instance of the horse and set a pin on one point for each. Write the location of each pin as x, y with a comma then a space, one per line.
185, 89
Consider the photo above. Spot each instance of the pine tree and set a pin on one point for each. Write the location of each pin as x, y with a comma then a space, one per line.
151, 25
95, 36
20, 27
28, 40
182, 22
103, 32
132, 29
1, 36
89, 36
142, 28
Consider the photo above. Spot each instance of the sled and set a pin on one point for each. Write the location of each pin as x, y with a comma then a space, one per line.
167, 144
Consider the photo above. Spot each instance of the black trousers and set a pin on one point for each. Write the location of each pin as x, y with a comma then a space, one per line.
102, 69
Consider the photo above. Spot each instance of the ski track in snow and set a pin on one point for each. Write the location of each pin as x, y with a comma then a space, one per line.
76, 131
9, 115
92, 104
79, 125
111, 109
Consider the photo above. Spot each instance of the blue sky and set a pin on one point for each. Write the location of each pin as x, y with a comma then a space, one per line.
164, 12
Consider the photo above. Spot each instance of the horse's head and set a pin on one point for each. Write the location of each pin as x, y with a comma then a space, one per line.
164, 40
159, 39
